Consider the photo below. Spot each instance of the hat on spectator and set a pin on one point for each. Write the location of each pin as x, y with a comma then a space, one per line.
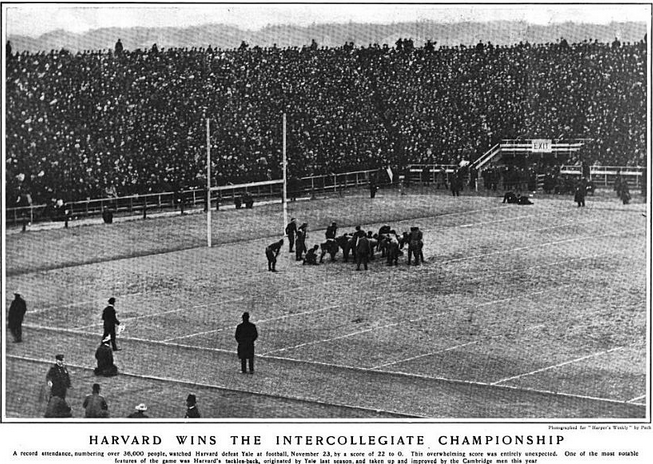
141, 407
59, 357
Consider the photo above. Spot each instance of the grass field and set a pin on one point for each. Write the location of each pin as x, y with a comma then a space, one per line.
520, 312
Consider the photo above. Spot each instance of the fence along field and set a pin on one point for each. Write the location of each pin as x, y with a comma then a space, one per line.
519, 312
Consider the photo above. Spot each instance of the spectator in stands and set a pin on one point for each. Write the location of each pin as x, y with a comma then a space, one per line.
130, 116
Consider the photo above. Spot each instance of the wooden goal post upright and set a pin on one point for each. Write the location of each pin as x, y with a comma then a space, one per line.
208, 182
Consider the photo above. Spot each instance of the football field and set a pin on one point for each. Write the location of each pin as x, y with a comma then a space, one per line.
519, 312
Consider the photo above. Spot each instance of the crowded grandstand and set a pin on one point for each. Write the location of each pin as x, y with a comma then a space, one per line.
132, 121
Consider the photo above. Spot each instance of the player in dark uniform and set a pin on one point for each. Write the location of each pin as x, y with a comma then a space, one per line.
271, 252
300, 244
291, 231
311, 255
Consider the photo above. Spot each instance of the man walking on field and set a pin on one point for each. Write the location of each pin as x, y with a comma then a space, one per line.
110, 323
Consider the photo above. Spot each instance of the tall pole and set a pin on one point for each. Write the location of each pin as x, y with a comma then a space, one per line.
285, 179
208, 183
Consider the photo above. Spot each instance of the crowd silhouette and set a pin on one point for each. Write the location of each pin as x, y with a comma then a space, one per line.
81, 124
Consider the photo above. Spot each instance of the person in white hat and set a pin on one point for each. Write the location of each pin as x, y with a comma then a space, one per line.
139, 413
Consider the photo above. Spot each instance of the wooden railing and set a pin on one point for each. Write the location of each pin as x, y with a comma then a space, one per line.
187, 199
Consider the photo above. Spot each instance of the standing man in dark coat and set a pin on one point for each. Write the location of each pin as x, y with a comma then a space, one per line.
58, 378
15, 317
373, 186
291, 231
110, 323
246, 335
579, 194
191, 407
271, 252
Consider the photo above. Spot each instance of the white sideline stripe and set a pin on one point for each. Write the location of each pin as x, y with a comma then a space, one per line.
423, 355
230, 388
634, 400
558, 365
465, 382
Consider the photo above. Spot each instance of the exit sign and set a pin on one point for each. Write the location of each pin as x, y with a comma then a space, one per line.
542, 146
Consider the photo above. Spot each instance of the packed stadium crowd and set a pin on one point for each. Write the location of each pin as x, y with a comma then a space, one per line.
133, 121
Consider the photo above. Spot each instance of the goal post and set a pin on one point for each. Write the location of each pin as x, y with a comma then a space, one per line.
271, 189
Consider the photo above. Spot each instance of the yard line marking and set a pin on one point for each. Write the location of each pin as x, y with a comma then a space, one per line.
636, 399
145, 316
471, 224
334, 338
534, 327
70, 305
464, 382
394, 324
262, 321
558, 365
423, 355
354, 368
566, 224
539, 245
258, 322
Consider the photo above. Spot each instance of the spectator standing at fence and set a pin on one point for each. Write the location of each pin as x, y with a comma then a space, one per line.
291, 232
373, 186
191, 407
271, 252
110, 322
95, 405
246, 335
15, 317
580, 192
